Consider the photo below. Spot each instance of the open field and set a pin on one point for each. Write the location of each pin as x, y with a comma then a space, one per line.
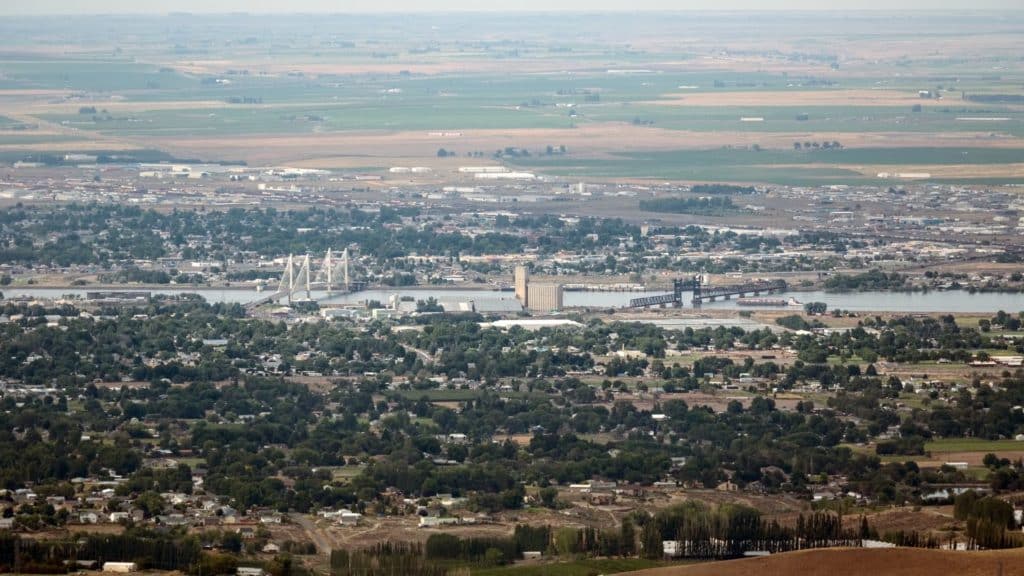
971, 451
573, 568
624, 104
974, 445
792, 166
855, 561
588, 144
804, 97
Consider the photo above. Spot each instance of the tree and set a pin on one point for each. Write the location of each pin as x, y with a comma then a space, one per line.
650, 541
151, 503
549, 497
429, 305
627, 535
815, 307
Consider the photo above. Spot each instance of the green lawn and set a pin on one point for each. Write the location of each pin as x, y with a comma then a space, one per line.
591, 567
973, 445
346, 472
192, 462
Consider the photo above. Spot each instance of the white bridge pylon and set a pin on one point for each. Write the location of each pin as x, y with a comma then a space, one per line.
305, 278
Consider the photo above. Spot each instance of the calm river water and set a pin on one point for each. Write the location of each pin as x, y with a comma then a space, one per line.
934, 301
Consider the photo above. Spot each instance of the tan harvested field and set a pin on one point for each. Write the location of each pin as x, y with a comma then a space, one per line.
520, 439
947, 372
931, 519
71, 529
947, 170
798, 97
859, 561
33, 93
20, 133
358, 148
117, 106
451, 65
972, 458
76, 145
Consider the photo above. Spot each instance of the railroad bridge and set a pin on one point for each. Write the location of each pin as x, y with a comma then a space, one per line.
703, 293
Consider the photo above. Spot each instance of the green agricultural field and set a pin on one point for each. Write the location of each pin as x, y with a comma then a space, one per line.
973, 445
772, 166
215, 83
820, 119
94, 74
391, 115
55, 155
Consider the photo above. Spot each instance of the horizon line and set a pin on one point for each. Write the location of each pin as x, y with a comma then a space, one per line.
816, 10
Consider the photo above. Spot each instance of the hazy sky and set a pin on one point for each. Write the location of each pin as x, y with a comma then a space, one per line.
162, 6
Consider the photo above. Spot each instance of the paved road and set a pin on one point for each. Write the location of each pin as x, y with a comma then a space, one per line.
423, 354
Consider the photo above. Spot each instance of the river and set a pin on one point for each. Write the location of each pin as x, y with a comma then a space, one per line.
487, 300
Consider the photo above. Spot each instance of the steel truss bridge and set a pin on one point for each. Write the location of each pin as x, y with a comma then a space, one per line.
703, 293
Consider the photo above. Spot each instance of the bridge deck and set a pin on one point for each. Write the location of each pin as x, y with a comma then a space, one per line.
703, 294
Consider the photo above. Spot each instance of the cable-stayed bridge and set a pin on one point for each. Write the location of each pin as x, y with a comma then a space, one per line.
300, 279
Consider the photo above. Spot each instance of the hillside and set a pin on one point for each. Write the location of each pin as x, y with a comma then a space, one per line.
858, 561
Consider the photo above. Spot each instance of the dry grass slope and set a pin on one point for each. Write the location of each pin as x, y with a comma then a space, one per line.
858, 561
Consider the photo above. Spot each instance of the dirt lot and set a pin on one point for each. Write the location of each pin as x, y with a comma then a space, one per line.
930, 519
859, 561
405, 528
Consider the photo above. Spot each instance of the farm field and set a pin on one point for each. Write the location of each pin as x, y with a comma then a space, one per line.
974, 445
345, 93
789, 166
574, 568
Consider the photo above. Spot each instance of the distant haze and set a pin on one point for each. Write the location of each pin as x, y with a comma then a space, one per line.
281, 6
